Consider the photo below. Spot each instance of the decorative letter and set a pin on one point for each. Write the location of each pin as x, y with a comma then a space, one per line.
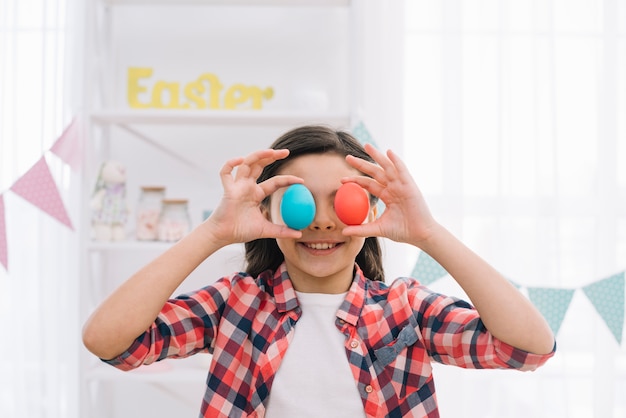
215, 86
174, 95
193, 92
134, 89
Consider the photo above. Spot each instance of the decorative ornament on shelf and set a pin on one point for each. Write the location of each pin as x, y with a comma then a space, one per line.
109, 211
148, 212
174, 222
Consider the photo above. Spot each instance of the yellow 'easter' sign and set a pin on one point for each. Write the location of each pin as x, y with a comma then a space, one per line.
205, 92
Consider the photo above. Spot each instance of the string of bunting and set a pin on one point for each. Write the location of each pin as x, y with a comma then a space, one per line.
37, 186
606, 295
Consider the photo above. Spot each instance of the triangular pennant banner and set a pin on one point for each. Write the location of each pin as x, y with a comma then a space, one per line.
607, 296
68, 146
552, 303
38, 187
427, 270
361, 133
4, 259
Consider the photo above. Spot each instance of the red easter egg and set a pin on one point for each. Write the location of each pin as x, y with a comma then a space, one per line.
352, 204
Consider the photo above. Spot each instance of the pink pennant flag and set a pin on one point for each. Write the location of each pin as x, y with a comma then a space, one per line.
68, 146
38, 187
4, 259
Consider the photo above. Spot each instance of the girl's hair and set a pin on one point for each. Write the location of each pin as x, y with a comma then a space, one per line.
263, 254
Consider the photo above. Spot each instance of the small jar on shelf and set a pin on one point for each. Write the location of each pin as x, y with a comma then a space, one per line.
174, 222
148, 212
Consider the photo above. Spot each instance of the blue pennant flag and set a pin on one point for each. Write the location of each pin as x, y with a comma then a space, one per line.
607, 296
427, 270
361, 133
552, 303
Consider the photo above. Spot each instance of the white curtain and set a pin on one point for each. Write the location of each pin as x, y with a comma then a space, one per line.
38, 289
515, 127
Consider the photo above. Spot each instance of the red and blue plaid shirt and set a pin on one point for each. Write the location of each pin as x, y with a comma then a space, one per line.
393, 332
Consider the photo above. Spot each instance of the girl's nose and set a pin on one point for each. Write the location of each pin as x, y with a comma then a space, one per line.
324, 219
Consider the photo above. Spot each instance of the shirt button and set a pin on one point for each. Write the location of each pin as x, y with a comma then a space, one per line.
369, 388
354, 344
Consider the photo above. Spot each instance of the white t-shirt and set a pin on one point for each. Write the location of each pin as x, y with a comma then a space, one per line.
314, 378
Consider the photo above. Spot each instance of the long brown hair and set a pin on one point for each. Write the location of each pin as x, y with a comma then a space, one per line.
263, 254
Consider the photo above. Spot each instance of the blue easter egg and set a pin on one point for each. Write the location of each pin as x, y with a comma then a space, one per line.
297, 207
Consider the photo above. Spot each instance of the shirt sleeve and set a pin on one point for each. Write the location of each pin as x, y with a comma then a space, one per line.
454, 334
186, 325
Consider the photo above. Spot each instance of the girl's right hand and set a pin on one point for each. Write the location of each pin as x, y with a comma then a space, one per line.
239, 216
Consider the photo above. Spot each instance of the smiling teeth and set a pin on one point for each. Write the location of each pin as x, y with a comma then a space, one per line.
324, 246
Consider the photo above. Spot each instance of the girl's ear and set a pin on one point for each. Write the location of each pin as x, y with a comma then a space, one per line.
265, 210
373, 214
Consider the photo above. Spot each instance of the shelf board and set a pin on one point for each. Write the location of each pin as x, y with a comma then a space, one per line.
128, 245
149, 374
282, 3
131, 245
220, 117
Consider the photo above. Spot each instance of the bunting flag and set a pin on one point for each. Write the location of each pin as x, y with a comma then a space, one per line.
427, 270
361, 133
68, 146
552, 303
38, 187
4, 255
607, 296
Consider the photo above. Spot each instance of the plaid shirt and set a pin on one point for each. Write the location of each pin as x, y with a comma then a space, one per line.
392, 334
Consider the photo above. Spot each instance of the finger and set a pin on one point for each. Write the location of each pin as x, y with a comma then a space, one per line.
370, 229
271, 185
254, 163
227, 170
283, 231
399, 164
257, 169
382, 159
365, 167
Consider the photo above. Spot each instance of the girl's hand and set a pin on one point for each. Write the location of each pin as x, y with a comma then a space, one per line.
406, 217
239, 216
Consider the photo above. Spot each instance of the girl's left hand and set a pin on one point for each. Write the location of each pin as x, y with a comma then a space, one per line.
406, 217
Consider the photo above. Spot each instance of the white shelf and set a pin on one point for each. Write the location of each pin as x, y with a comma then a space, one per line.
220, 117
150, 374
133, 245
281, 3
128, 245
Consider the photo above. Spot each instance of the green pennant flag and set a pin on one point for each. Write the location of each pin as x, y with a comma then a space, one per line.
361, 133
607, 296
552, 303
427, 270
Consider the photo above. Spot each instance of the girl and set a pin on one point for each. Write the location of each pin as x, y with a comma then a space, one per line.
311, 328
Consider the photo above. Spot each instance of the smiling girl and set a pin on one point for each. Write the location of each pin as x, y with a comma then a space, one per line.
312, 327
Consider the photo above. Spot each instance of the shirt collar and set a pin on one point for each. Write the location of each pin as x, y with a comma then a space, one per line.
350, 309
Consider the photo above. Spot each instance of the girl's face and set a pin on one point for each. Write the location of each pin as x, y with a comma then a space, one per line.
322, 260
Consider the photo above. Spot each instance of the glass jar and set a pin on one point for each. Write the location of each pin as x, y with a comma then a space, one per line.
174, 222
148, 212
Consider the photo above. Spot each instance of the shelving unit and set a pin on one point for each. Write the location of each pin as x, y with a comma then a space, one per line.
319, 69
232, 118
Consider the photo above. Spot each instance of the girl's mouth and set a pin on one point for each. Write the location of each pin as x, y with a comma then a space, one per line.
320, 245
